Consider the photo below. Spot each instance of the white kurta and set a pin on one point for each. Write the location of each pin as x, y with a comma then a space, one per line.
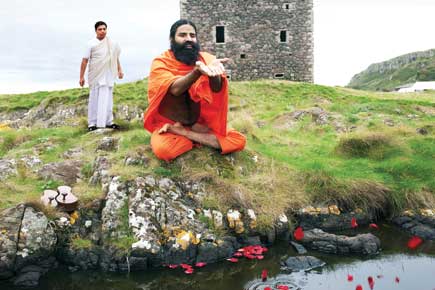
100, 106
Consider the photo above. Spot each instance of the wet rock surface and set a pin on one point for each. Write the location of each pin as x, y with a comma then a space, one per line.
301, 263
364, 244
418, 224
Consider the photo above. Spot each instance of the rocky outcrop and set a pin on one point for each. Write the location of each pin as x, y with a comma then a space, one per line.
421, 224
67, 172
7, 168
301, 263
331, 219
365, 244
27, 244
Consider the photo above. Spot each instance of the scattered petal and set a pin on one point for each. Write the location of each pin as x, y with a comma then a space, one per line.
414, 242
238, 254
353, 223
264, 275
172, 266
260, 257
233, 260
349, 277
267, 288
374, 226
200, 264
359, 287
298, 234
397, 279
264, 249
189, 271
282, 287
371, 282
185, 266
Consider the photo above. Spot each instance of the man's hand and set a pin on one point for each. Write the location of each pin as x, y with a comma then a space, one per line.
82, 82
215, 68
176, 128
120, 74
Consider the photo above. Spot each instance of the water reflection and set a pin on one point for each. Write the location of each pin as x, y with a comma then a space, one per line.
415, 269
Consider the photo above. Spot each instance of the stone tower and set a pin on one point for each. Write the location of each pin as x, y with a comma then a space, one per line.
266, 39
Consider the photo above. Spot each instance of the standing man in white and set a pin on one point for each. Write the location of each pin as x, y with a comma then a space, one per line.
103, 57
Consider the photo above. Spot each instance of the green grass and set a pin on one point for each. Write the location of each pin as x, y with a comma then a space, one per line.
282, 167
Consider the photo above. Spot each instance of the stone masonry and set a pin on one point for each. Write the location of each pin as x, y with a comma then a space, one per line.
265, 39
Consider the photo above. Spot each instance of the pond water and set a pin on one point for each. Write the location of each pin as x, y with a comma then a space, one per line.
415, 270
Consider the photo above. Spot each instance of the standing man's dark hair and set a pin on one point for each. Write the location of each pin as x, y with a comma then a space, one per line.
178, 24
100, 23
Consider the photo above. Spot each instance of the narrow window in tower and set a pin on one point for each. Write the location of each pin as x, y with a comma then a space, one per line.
220, 34
287, 6
283, 36
243, 55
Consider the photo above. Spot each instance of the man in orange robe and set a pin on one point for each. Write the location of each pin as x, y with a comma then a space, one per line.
188, 98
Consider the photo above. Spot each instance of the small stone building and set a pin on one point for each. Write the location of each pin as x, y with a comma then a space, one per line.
265, 39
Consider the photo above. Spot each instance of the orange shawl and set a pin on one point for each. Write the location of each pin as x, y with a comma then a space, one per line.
165, 69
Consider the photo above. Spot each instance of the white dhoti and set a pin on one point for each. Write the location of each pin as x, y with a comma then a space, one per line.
103, 67
100, 107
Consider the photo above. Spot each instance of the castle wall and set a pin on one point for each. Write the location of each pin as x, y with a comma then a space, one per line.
253, 31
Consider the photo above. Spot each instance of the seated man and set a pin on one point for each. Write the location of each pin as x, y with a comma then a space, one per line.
188, 98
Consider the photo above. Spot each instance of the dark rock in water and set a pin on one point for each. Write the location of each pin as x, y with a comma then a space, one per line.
273, 283
301, 263
138, 263
299, 248
28, 279
210, 252
366, 244
332, 222
418, 225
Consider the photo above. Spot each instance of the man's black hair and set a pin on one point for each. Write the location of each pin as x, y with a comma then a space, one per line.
179, 23
100, 23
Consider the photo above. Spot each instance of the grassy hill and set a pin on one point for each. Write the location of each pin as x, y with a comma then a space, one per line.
405, 69
307, 144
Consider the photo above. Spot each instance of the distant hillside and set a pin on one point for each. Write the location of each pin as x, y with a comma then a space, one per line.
405, 69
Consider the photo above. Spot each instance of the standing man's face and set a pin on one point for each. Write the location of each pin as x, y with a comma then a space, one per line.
185, 33
101, 31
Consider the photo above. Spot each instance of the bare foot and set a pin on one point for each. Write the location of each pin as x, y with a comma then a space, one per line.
175, 128
200, 128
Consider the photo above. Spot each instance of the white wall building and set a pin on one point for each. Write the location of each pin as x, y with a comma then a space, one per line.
417, 87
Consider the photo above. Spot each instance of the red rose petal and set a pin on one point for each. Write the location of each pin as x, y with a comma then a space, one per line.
298, 234
359, 287
371, 282
260, 257
397, 279
349, 278
185, 266
264, 275
282, 287
189, 271
200, 264
233, 260
172, 266
414, 242
267, 288
374, 226
238, 254
353, 223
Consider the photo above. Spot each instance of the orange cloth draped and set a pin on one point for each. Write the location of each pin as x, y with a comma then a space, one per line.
165, 70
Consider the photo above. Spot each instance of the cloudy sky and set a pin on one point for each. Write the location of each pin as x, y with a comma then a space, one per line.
43, 41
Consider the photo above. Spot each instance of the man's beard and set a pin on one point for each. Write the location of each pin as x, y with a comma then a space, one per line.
184, 54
